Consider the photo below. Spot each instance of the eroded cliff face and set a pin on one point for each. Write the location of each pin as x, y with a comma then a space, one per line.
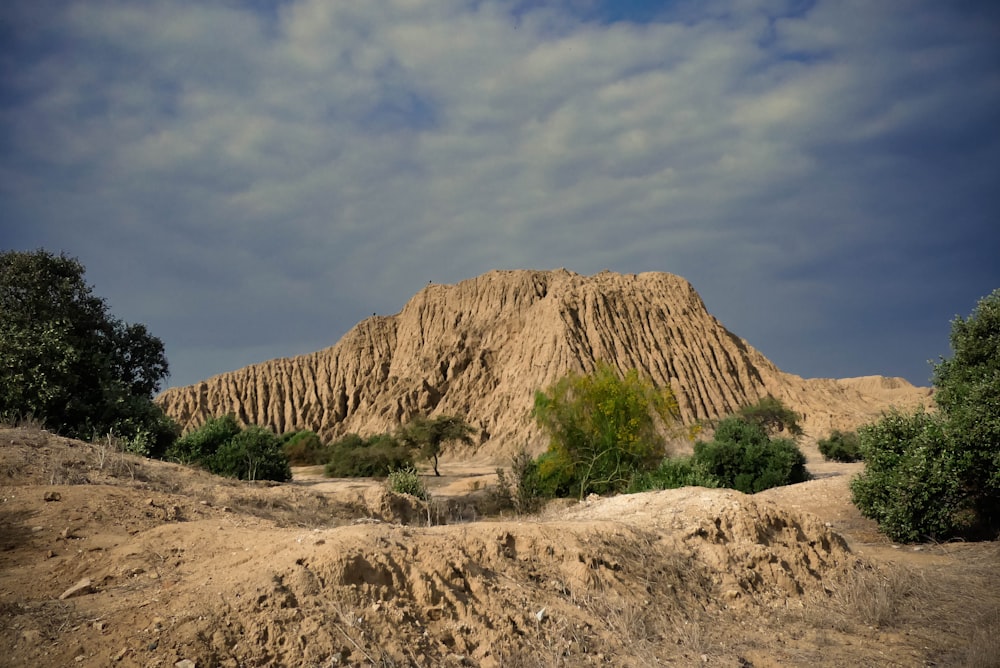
482, 347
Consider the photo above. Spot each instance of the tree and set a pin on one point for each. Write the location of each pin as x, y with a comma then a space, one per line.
773, 416
66, 361
253, 454
938, 476
602, 428
429, 435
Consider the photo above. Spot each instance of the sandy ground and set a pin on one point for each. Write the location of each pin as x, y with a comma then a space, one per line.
108, 560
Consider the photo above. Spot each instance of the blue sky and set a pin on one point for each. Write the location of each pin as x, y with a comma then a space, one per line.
251, 179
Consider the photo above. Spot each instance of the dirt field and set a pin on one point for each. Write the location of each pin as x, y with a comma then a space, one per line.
106, 560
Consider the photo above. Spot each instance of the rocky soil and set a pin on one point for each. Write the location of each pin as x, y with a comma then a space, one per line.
108, 560
482, 347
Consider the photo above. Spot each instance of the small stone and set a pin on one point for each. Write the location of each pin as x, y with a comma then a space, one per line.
153, 645
52, 496
149, 502
84, 586
541, 615
185, 663
120, 655
100, 626
50, 554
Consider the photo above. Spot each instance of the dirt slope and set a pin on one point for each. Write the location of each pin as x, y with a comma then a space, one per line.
482, 347
110, 560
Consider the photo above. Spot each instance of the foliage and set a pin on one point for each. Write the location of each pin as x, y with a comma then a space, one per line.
201, 444
673, 473
428, 435
773, 416
913, 479
254, 453
66, 361
742, 456
841, 446
938, 476
353, 456
602, 429
303, 448
407, 481
521, 490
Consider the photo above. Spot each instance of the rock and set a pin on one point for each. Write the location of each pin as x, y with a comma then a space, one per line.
482, 347
82, 587
52, 496
185, 663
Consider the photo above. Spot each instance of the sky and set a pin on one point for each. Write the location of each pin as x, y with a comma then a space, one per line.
251, 179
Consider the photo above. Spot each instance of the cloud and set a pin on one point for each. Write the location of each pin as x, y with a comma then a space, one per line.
257, 179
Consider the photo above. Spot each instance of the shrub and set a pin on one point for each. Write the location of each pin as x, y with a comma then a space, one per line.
602, 428
428, 435
522, 490
253, 454
354, 457
407, 481
912, 483
199, 445
938, 476
742, 457
303, 448
673, 473
841, 446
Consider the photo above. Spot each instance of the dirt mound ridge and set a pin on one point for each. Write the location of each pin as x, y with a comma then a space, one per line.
482, 347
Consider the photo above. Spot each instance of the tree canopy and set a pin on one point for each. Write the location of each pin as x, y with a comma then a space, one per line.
429, 435
65, 361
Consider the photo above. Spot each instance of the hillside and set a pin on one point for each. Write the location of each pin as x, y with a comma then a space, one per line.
482, 347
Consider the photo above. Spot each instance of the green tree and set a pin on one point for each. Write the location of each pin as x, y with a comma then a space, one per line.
66, 361
938, 476
200, 445
773, 416
303, 448
353, 456
602, 428
429, 435
841, 446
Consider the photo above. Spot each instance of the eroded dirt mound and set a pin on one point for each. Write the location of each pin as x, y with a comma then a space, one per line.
482, 347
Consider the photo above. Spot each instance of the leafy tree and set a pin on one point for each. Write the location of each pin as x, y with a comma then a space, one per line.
938, 476
773, 416
841, 446
741, 456
429, 435
602, 428
66, 361
200, 445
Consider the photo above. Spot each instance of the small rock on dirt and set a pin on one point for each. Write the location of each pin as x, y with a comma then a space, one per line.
84, 586
52, 496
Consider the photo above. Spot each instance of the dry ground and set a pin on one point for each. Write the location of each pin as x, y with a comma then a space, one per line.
172, 565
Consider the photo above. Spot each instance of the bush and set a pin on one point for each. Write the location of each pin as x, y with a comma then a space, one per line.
742, 457
522, 490
841, 446
938, 476
602, 428
303, 448
200, 445
355, 457
428, 435
407, 481
253, 454
913, 479
673, 474
773, 416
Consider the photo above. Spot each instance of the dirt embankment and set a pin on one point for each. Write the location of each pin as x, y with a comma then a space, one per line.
108, 560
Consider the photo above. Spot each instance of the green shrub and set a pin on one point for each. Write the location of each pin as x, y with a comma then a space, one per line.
201, 444
407, 481
355, 457
841, 446
742, 456
912, 484
938, 476
303, 448
673, 473
521, 490
253, 454
602, 427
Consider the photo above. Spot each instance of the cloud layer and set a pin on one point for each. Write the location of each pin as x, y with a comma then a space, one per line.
250, 179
